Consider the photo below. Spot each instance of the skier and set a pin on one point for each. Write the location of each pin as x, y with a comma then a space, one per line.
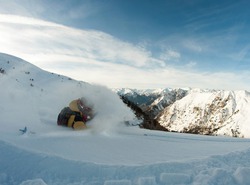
76, 115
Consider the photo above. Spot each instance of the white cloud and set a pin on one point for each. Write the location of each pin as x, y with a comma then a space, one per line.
242, 54
192, 45
36, 37
169, 55
191, 64
97, 57
15, 19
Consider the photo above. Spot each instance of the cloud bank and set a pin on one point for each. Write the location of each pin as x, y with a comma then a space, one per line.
98, 57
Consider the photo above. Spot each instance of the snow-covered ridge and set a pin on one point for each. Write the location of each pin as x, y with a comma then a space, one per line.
200, 111
210, 112
152, 101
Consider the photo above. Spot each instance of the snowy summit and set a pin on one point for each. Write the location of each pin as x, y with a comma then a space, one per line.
34, 150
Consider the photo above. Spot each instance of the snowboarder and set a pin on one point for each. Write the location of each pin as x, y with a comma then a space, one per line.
76, 115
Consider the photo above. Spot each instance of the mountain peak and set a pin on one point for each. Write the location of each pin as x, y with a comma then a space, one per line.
215, 112
200, 111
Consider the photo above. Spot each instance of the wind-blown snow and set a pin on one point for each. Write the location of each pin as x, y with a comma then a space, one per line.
108, 152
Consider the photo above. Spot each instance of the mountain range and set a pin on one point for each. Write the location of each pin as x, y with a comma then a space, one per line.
197, 111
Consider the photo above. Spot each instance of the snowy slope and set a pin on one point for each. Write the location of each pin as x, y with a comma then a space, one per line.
215, 112
36, 96
108, 153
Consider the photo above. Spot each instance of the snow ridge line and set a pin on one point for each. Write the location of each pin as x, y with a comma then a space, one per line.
44, 169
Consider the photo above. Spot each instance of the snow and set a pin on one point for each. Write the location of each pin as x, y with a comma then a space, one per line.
227, 111
108, 152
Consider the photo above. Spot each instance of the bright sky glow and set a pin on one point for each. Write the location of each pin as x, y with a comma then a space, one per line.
134, 43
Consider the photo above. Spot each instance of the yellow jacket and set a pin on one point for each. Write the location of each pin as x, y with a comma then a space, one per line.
76, 124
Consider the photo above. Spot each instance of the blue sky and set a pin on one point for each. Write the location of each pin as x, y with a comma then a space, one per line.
133, 43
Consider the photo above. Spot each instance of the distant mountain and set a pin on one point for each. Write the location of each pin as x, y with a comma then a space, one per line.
147, 104
198, 111
152, 101
210, 112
